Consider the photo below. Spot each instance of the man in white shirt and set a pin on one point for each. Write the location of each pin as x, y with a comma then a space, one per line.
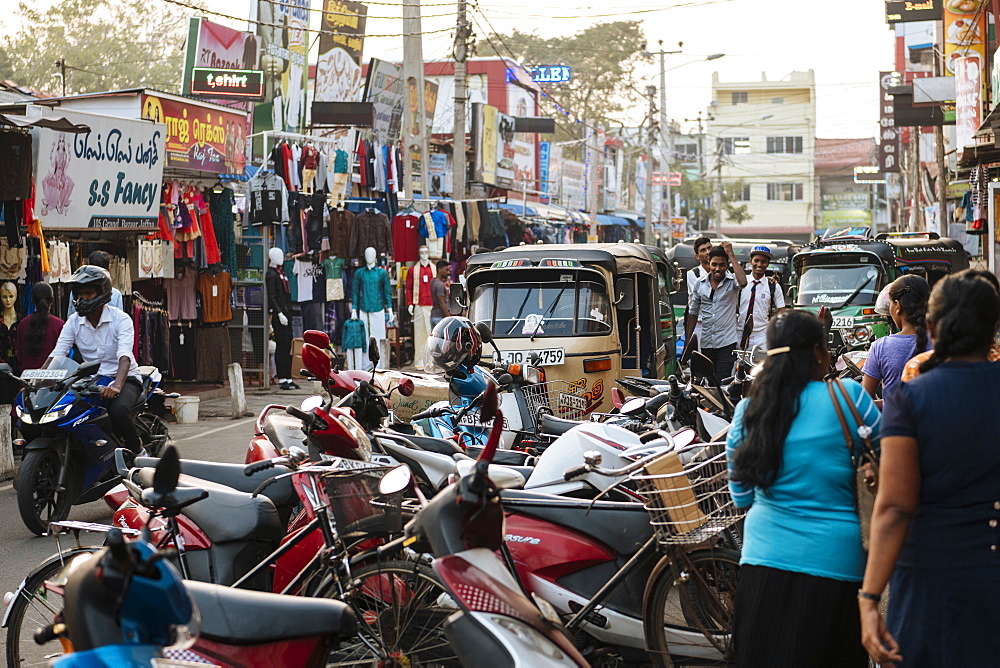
760, 299
101, 259
717, 296
104, 334
702, 246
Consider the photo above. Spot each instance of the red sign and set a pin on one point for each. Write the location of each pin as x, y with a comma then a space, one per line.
199, 137
672, 179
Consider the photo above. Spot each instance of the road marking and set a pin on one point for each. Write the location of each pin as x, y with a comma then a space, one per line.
4, 488
213, 431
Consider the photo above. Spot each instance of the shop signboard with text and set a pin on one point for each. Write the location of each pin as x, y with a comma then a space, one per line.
521, 104
384, 89
201, 138
109, 177
888, 140
964, 34
283, 34
968, 103
338, 67
215, 46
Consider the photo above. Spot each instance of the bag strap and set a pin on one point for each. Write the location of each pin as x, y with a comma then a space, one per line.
843, 421
864, 431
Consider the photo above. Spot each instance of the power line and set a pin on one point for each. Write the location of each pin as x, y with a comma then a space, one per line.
683, 5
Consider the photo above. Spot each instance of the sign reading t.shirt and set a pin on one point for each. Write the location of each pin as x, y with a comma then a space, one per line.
311, 279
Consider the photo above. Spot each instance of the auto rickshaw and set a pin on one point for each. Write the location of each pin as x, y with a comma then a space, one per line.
589, 313
844, 270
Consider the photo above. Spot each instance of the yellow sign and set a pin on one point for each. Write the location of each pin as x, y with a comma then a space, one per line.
964, 32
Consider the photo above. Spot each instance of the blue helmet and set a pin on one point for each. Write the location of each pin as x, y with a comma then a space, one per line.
761, 249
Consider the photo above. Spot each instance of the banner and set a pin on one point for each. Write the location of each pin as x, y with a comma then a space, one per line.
544, 152
521, 104
888, 141
440, 174
216, 46
338, 68
282, 32
968, 103
506, 151
964, 32
384, 89
489, 145
198, 137
109, 177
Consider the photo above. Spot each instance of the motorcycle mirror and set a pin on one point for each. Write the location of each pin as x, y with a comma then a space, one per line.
88, 369
395, 480
316, 361
484, 331
310, 403
373, 354
488, 408
634, 406
168, 471
316, 337
406, 387
825, 316
617, 397
758, 354
685, 437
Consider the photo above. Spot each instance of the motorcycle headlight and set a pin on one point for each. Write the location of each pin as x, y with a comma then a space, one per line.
52, 416
529, 636
357, 433
22, 415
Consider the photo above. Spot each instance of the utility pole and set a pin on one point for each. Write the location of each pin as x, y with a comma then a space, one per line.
462, 33
718, 191
61, 64
414, 125
650, 91
666, 136
915, 179
942, 169
593, 162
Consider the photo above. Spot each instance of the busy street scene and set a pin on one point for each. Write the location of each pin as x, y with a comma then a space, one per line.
496, 334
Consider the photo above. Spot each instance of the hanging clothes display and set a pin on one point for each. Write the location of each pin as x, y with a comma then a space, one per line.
215, 287
405, 235
371, 229
15, 181
182, 291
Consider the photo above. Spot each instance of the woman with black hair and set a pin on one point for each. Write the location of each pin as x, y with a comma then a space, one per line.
802, 557
888, 355
936, 523
37, 334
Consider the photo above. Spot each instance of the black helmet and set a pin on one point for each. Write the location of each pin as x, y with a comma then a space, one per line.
97, 277
453, 341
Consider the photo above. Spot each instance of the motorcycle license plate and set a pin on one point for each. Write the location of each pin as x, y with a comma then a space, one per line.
546, 356
471, 419
843, 321
44, 374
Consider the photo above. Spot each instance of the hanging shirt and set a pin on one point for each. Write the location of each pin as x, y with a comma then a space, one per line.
405, 237
371, 229
268, 199
311, 280
339, 231
371, 292
15, 166
421, 294
216, 292
181, 302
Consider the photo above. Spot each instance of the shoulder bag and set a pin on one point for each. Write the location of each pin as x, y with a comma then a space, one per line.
865, 463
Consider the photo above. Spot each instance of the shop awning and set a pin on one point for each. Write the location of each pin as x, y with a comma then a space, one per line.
632, 218
519, 209
52, 123
553, 212
611, 220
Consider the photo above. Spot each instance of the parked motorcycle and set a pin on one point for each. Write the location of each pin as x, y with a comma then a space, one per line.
69, 441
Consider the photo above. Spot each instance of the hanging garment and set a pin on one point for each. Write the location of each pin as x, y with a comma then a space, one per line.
184, 351
181, 291
311, 279
405, 237
339, 230
216, 295
371, 290
371, 229
213, 355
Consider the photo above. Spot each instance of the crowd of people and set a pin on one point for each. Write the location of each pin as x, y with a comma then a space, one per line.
810, 587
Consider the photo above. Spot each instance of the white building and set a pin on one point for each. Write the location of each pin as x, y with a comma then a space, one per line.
761, 144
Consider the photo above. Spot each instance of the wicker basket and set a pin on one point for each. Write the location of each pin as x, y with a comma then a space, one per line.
688, 503
357, 505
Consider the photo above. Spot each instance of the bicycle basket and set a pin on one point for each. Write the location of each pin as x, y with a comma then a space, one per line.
557, 397
357, 505
688, 502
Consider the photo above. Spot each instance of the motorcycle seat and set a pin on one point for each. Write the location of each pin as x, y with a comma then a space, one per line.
441, 446
281, 492
227, 516
512, 458
554, 426
622, 526
241, 617
284, 430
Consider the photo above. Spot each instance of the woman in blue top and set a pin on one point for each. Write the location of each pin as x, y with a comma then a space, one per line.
802, 558
888, 355
936, 524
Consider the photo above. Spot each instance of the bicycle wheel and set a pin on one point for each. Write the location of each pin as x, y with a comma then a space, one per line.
401, 607
32, 608
688, 606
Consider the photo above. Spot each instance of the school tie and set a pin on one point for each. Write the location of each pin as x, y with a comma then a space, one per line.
748, 324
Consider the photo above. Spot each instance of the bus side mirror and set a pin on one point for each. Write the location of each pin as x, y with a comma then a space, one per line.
624, 294
456, 297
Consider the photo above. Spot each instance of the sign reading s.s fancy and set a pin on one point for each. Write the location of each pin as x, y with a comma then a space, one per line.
108, 177
222, 83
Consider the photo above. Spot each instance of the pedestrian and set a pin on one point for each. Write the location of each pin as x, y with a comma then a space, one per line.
759, 300
935, 536
715, 297
439, 293
888, 355
37, 333
702, 247
912, 368
802, 558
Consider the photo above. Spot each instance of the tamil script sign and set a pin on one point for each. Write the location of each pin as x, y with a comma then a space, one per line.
199, 137
672, 179
888, 141
109, 177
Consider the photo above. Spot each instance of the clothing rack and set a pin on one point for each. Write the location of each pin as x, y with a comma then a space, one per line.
151, 303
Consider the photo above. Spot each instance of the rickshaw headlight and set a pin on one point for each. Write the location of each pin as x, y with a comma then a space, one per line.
533, 374
862, 333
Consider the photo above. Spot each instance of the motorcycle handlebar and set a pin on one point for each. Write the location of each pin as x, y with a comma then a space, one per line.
256, 467
575, 472
121, 555
307, 418
431, 413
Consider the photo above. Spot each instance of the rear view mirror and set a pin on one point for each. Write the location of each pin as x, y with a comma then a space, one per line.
5, 368
485, 333
634, 406
757, 354
317, 338
701, 366
311, 403
406, 387
316, 361
168, 472
456, 298
88, 369
373, 354
490, 404
624, 294
395, 480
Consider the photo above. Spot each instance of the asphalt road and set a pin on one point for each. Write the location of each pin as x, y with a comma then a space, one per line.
215, 437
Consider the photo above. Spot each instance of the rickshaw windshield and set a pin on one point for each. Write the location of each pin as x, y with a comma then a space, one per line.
543, 309
830, 284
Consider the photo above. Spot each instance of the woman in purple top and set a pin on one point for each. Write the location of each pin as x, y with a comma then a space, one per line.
37, 334
888, 355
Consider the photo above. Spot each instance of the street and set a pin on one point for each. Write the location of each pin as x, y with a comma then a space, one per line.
215, 437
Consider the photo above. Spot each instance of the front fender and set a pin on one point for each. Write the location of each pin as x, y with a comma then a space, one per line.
45, 442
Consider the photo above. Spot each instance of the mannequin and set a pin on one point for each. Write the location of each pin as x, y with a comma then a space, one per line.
8, 335
310, 162
279, 305
420, 302
371, 301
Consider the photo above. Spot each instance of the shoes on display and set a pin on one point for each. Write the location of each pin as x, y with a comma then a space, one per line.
292, 385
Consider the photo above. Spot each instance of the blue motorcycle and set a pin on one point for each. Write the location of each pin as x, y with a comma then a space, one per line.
69, 442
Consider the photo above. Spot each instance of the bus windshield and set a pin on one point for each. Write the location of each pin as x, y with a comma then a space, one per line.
542, 309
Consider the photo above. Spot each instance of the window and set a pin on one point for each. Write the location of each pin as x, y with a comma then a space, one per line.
740, 97
777, 100
739, 193
784, 192
735, 145
543, 308
784, 144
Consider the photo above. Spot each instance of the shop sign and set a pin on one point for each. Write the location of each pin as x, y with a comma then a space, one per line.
283, 34
338, 67
544, 153
109, 177
868, 175
968, 103
847, 217
384, 89
489, 144
912, 10
844, 201
672, 179
440, 175
550, 73
215, 46
199, 138
964, 33
220, 83
521, 103
888, 141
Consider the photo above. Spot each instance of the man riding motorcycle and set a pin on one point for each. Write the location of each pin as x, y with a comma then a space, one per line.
106, 335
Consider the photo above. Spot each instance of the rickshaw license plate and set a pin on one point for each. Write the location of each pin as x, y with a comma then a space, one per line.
546, 356
843, 321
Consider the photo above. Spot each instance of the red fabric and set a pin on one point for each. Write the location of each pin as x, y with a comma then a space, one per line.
405, 237
286, 157
362, 160
212, 254
284, 279
424, 296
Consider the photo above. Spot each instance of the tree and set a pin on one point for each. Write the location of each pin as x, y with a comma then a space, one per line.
106, 46
604, 59
737, 214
